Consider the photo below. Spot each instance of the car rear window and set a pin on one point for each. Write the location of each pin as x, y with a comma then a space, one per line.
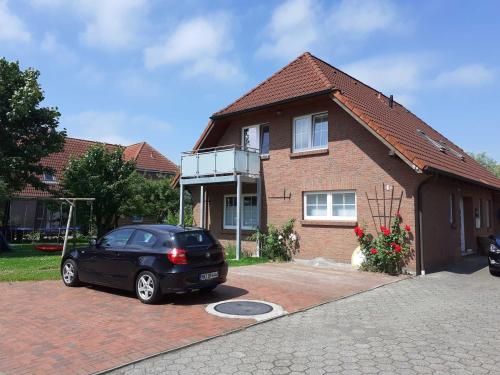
194, 238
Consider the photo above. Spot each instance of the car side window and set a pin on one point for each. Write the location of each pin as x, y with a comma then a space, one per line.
117, 238
143, 239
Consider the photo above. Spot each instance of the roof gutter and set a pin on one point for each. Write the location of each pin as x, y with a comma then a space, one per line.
465, 179
378, 136
312, 95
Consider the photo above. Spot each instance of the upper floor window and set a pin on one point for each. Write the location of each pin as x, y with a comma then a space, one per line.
47, 177
310, 132
256, 137
330, 205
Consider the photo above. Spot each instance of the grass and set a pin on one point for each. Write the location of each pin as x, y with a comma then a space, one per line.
24, 263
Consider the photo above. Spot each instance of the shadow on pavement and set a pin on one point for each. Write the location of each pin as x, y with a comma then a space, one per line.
468, 265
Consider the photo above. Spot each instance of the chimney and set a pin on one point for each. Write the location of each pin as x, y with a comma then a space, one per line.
391, 101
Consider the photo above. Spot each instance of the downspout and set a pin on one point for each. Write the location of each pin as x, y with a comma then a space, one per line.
419, 221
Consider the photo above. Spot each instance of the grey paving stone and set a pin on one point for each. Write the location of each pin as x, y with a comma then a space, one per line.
438, 324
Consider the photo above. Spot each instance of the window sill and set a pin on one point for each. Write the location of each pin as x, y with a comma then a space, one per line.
328, 223
233, 231
299, 154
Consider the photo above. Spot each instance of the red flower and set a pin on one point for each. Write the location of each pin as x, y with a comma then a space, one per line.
373, 251
407, 228
359, 232
385, 230
398, 215
397, 248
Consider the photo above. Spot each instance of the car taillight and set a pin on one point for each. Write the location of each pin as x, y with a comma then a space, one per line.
177, 256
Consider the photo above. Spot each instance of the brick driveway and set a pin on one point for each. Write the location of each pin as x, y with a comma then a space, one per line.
48, 328
444, 323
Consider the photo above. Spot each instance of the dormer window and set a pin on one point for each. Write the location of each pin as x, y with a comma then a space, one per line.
47, 177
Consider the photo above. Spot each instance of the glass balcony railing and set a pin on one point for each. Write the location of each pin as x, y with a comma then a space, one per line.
223, 160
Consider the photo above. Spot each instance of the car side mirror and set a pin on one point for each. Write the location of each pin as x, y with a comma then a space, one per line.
93, 242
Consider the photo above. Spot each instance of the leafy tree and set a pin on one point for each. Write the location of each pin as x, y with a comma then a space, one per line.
157, 199
104, 175
489, 163
28, 132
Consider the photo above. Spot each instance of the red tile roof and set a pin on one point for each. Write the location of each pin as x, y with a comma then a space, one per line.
145, 156
308, 75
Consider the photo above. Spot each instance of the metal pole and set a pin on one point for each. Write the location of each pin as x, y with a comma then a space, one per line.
67, 228
259, 210
238, 217
202, 206
181, 204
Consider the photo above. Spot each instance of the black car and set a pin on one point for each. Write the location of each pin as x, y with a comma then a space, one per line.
151, 260
494, 254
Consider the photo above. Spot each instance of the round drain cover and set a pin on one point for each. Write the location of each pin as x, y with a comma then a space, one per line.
244, 308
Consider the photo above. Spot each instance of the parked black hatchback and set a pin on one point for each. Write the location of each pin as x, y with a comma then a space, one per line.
494, 255
149, 259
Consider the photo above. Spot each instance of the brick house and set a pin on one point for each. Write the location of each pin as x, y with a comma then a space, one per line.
30, 209
315, 144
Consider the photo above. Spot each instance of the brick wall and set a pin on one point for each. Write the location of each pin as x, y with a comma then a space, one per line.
355, 160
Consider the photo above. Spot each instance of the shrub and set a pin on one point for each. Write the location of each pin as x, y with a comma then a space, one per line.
278, 243
389, 251
230, 250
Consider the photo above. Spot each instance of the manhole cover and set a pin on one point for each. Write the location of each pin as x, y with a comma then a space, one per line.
243, 308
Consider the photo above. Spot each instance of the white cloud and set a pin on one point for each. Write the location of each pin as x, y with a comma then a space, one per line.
466, 75
292, 30
12, 28
113, 127
52, 46
200, 45
363, 17
135, 84
111, 23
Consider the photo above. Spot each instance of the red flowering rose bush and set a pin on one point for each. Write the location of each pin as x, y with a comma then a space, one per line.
389, 251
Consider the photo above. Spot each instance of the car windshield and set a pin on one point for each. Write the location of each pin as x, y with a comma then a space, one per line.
194, 238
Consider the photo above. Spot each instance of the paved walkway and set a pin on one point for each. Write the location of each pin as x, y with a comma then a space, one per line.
47, 328
443, 323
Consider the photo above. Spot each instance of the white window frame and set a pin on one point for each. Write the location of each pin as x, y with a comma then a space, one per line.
258, 135
49, 181
329, 206
242, 208
310, 146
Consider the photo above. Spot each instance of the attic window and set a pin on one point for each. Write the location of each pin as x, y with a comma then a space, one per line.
440, 145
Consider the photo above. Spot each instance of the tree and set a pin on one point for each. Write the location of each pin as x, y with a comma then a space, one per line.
154, 198
489, 163
28, 132
104, 175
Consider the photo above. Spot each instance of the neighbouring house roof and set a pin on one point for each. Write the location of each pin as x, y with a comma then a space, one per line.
413, 139
146, 157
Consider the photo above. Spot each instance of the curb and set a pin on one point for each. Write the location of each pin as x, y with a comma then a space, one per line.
243, 328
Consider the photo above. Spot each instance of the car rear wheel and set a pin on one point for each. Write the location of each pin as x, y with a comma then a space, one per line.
494, 272
69, 273
147, 287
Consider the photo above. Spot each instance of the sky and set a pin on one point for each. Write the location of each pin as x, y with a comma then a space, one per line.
126, 71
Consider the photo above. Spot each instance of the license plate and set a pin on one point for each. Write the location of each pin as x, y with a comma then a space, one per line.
209, 276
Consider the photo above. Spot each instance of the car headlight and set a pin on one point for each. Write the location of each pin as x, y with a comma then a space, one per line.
494, 249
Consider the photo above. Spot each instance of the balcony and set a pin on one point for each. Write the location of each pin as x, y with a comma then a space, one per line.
219, 164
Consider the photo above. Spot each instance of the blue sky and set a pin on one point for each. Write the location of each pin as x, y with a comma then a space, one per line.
125, 71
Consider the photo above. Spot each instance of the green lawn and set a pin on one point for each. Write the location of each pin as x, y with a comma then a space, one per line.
25, 263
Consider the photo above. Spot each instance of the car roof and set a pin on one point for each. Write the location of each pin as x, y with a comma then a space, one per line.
163, 228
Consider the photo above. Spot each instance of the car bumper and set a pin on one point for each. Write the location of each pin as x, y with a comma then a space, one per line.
494, 261
182, 281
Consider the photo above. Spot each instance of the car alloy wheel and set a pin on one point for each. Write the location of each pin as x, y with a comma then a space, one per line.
68, 273
145, 287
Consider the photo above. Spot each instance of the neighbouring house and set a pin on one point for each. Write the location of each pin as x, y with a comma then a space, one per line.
315, 144
31, 211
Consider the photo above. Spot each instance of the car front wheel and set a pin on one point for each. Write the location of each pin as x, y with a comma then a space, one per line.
147, 287
69, 273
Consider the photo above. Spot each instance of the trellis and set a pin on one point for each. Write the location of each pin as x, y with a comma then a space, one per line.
385, 205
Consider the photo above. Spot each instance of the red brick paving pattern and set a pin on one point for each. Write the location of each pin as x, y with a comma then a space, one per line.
47, 328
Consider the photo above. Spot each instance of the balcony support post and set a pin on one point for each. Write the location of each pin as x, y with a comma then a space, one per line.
259, 208
202, 206
238, 216
181, 204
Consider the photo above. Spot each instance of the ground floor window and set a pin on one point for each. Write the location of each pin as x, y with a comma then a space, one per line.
248, 211
330, 205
